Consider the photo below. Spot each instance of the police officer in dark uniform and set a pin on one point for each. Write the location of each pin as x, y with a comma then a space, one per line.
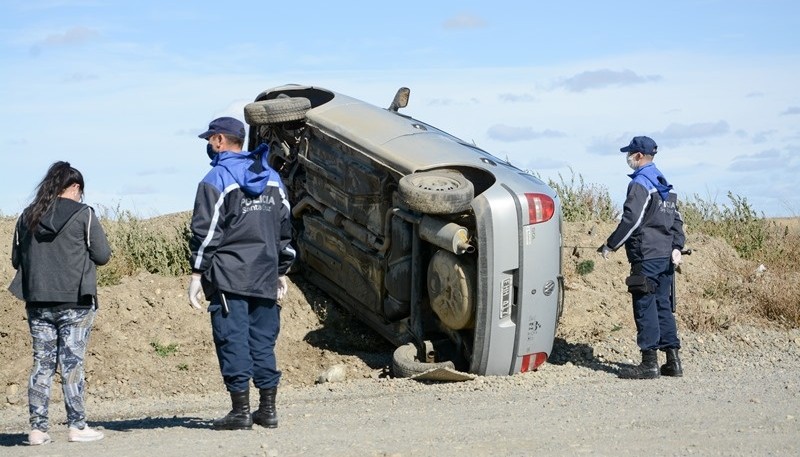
240, 253
651, 229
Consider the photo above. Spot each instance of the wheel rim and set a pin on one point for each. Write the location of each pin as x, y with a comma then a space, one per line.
436, 183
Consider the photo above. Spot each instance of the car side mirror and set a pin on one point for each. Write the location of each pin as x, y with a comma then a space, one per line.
400, 99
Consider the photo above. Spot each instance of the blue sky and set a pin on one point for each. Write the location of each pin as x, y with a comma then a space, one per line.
121, 89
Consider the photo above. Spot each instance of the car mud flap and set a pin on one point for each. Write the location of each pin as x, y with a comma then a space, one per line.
443, 374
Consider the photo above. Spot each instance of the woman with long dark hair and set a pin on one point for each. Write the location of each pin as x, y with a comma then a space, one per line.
58, 241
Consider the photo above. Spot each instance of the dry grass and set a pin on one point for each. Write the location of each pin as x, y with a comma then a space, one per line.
583, 202
776, 288
765, 285
160, 246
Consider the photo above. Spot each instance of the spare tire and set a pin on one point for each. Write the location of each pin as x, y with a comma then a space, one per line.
276, 110
437, 191
405, 363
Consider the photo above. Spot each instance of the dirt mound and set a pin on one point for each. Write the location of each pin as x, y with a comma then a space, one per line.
147, 341
597, 303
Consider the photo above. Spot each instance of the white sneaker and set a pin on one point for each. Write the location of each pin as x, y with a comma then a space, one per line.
38, 437
77, 435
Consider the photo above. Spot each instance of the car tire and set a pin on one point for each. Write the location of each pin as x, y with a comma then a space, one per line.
437, 191
276, 110
405, 363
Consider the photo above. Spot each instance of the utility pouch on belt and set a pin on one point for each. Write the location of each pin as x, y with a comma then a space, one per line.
638, 284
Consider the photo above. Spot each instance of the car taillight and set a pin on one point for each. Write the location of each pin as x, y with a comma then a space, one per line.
540, 208
531, 362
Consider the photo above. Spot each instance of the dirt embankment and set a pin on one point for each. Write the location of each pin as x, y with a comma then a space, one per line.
147, 341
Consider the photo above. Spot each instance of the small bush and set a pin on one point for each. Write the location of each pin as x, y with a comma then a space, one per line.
738, 224
139, 244
585, 267
583, 202
164, 350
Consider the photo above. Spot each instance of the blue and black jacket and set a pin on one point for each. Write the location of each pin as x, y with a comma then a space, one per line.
651, 225
241, 228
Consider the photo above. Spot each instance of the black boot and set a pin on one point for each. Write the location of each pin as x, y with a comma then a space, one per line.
266, 415
673, 366
648, 369
239, 418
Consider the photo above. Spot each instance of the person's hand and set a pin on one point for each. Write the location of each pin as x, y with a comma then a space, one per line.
195, 289
676, 257
283, 287
604, 251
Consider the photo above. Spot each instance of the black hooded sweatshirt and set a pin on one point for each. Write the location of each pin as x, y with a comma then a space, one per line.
56, 264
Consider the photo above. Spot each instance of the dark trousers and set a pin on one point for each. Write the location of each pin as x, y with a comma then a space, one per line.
245, 339
655, 323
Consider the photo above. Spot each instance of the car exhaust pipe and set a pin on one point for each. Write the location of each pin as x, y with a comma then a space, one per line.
446, 235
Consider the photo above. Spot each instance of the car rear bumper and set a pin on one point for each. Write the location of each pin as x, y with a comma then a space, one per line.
518, 287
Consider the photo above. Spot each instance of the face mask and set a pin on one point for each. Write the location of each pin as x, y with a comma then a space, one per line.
633, 163
210, 151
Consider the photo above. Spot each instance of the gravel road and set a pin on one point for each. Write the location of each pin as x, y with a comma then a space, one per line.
740, 396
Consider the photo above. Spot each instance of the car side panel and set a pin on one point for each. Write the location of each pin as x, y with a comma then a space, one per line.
348, 181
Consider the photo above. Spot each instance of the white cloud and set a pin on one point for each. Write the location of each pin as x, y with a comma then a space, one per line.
464, 21
791, 110
764, 136
452, 101
772, 160
516, 98
501, 132
79, 77
75, 35
542, 163
677, 132
607, 146
71, 37
767, 154
441, 102
138, 190
598, 79
158, 171
41, 5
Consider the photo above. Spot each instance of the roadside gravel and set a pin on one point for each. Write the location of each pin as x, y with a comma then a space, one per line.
740, 396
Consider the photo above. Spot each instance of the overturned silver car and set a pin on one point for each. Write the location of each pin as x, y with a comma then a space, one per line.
448, 252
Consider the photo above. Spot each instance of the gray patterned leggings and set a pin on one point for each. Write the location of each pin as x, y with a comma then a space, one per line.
59, 336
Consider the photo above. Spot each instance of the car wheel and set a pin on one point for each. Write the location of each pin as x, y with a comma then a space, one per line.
437, 191
276, 110
450, 288
405, 363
